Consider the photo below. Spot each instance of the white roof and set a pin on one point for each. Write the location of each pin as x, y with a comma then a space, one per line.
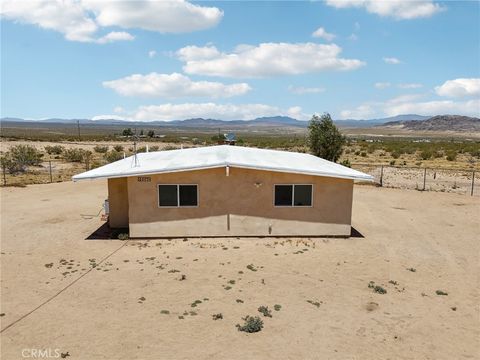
221, 156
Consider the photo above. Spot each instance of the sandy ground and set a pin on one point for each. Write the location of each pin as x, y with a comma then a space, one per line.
100, 315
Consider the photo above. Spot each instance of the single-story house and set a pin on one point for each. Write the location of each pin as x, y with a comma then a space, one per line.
228, 191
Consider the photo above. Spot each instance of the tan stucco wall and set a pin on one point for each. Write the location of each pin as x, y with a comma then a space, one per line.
234, 206
118, 202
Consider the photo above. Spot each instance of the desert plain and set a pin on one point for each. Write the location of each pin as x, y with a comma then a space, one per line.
66, 288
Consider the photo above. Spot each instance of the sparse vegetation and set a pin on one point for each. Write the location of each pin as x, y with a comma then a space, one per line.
100, 149
265, 311
218, 316
441, 293
252, 324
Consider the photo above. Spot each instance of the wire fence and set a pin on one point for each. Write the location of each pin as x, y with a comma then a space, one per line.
460, 181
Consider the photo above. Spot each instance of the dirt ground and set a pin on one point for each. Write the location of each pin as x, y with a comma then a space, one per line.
112, 299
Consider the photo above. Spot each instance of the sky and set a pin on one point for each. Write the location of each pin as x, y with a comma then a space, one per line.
150, 60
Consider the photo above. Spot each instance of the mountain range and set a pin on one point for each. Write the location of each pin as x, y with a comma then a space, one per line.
411, 122
283, 121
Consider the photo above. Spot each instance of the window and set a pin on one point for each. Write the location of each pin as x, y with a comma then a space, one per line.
177, 195
293, 195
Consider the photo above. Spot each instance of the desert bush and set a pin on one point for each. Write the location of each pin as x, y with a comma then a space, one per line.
54, 150
154, 148
170, 147
118, 148
150, 133
277, 307
252, 324
376, 288
440, 292
363, 154
265, 311
100, 149
395, 154
112, 156
127, 132
346, 163
451, 155
426, 154
392, 162
74, 155
217, 316
25, 155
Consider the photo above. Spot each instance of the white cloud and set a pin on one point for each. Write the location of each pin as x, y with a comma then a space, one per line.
410, 86
152, 54
108, 117
166, 112
436, 107
266, 59
300, 90
361, 112
323, 34
173, 86
118, 110
413, 104
459, 88
397, 9
115, 36
79, 20
392, 60
382, 85
173, 16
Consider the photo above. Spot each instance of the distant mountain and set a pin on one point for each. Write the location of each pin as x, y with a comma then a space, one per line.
455, 123
407, 122
350, 123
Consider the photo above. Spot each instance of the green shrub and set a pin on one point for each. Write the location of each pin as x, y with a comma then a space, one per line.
25, 155
118, 148
440, 292
252, 324
100, 149
426, 154
217, 316
54, 150
150, 133
74, 155
112, 156
265, 311
277, 307
451, 155
346, 163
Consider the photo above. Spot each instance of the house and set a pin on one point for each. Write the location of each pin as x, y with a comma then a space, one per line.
228, 191
227, 139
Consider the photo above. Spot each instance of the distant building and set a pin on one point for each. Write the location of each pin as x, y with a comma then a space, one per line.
228, 191
227, 139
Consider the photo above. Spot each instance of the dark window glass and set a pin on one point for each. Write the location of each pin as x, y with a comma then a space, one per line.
283, 195
167, 195
188, 195
303, 195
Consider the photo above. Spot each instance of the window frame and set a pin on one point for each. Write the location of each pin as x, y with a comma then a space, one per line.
293, 197
178, 196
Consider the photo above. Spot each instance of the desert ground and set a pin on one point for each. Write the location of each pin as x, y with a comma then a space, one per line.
65, 290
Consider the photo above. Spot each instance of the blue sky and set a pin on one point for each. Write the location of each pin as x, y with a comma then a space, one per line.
152, 60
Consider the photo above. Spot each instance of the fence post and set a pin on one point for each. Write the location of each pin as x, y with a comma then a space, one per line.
50, 167
424, 178
381, 177
473, 182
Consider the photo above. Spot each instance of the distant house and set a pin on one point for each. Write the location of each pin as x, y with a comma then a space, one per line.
228, 191
227, 139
